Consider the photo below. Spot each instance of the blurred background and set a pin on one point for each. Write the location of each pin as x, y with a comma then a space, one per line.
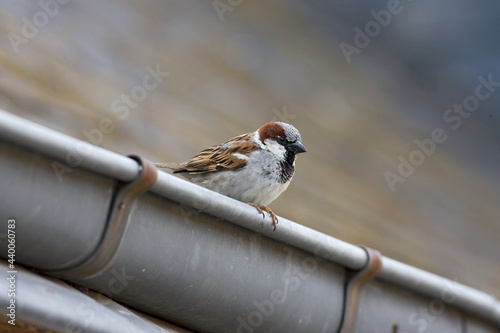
361, 80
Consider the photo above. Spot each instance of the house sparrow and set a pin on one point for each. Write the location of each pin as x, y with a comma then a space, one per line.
254, 168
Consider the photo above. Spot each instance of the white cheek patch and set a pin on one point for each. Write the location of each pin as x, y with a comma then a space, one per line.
276, 148
240, 156
256, 139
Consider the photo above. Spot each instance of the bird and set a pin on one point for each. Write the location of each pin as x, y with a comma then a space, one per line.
254, 168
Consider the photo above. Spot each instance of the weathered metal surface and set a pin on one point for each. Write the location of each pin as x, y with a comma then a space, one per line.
123, 202
462, 297
385, 308
212, 276
473, 325
58, 223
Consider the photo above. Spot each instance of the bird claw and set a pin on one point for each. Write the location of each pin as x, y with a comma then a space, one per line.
261, 209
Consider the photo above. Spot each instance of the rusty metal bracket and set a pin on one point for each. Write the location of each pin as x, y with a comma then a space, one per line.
353, 288
126, 194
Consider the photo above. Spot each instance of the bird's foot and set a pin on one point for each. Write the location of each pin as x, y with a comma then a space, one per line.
263, 208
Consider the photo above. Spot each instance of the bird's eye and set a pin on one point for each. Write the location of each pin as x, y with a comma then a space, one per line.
281, 140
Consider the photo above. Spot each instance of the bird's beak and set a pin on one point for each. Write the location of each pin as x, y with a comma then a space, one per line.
297, 147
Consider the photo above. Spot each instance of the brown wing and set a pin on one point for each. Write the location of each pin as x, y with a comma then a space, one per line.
219, 158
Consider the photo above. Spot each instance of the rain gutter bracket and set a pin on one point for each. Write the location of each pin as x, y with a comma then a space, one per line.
125, 195
353, 288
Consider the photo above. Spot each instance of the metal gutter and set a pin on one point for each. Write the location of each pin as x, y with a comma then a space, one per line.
238, 213
472, 301
312, 245
465, 298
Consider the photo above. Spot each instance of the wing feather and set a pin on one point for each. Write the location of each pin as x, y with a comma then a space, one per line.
227, 156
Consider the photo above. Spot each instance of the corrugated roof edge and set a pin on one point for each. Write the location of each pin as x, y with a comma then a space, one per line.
64, 148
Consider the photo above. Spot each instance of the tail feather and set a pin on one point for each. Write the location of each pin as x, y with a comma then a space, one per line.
176, 167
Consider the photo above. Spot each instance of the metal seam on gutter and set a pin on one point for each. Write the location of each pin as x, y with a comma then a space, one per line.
57, 145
